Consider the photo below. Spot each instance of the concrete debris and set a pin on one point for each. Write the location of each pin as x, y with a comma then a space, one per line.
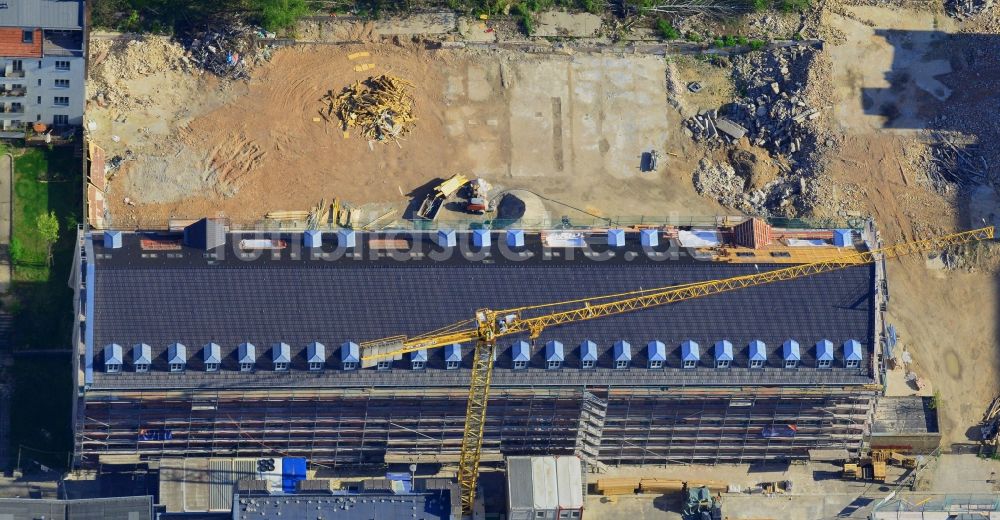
962, 9
722, 182
773, 113
228, 51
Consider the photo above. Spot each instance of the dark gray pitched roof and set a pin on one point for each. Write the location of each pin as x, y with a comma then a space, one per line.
194, 299
47, 14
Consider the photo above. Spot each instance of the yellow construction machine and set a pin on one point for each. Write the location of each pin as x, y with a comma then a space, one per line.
488, 325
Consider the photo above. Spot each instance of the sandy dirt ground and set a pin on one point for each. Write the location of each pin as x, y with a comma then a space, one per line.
947, 319
571, 128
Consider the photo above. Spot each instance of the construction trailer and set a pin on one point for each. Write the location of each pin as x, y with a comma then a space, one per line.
699, 381
547, 488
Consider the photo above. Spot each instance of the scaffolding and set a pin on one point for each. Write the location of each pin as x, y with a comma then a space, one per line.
363, 427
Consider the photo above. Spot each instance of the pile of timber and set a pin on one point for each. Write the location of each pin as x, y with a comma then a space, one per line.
380, 107
618, 485
662, 486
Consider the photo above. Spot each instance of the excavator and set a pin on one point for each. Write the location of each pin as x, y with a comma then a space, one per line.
488, 325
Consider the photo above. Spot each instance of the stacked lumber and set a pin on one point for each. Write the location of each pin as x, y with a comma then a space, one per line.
660, 485
713, 485
381, 107
286, 215
617, 485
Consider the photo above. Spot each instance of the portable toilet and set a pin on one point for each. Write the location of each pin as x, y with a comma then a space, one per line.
649, 237
316, 355
312, 238
616, 238
690, 354
350, 355
515, 238
481, 238
446, 238
553, 355
347, 238
656, 354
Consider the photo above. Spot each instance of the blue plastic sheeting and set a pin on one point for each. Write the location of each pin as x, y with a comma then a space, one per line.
312, 238
350, 352
293, 469
783, 430
482, 238
554, 351
723, 351
347, 238
758, 351
842, 237
790, 350
520, 351
112, 239
622, 351
690, 351
515, 238
588, 351
616, 238
446, 238
649, 237
852, 350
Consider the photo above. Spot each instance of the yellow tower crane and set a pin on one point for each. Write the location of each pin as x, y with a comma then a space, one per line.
488, 325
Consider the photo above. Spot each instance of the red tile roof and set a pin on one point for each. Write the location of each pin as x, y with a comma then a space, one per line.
12, 46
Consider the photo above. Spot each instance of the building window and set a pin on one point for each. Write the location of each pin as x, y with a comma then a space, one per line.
27, 36
575, 514
142, 367
722, 363
39, 82
246, 367
62, 83
540, 514
61, 101
621, 364
518, 365
62, 65
451, 365
756, 363
17, 65
853, 363
824, 363
281, 366
112, 368
60, 119
791, 363
588, 363
383, 365
418, 365
211, 367
552, 365
315, 366
39, 99
690, 363
176, 367
348, 365
659, 364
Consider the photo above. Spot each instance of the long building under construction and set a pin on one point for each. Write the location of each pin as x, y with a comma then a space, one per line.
213, 342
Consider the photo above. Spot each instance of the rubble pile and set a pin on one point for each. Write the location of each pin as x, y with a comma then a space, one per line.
380, 107
118, 61
230, 51
966, 8
722, 182
773, 112
954, 164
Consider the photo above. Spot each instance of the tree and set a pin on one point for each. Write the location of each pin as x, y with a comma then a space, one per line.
48, 228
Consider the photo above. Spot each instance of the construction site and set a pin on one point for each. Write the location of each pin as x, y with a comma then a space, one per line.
430, 242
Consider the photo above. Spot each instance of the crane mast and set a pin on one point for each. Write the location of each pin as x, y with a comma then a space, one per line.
491, 325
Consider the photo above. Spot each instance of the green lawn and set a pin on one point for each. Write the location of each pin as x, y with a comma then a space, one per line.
42, 304
44, 180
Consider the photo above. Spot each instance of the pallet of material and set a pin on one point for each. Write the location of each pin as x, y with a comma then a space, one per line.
660, 485
713, 485
618, 485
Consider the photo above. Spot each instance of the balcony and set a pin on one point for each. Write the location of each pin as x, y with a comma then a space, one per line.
12, 110
62, 43
12, 92
11, 74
